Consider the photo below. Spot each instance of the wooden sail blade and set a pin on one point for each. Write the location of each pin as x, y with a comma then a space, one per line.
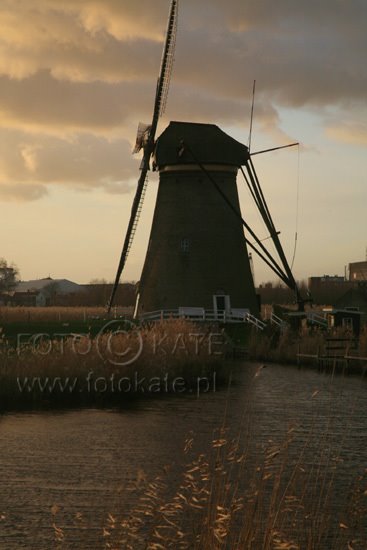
160, 99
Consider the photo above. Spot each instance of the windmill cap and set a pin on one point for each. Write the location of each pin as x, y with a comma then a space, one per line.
191, 142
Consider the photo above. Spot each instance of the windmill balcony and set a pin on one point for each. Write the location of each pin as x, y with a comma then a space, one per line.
198, 314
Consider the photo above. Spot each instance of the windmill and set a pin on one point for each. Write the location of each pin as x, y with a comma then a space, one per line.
197, 261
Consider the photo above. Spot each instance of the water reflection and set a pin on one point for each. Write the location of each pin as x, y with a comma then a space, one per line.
77, 465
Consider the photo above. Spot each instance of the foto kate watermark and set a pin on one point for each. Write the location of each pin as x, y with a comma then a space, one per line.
121, 343
117, 384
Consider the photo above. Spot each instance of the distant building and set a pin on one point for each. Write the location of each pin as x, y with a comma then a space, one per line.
344, 318
350, 310
358, 271
60, 286
328, 288
355, 299
29, 298
43, 292
325, 279
62, 292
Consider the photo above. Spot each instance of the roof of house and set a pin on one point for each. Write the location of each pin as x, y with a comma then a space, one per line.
62, 286
206, 142
354, 297
341, 311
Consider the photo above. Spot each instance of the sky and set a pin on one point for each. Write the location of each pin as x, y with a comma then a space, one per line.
77, 76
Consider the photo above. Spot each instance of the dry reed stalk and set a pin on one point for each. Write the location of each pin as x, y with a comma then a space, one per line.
236, 496
213, 508
363, 342
267, 498
52, 313
172, 349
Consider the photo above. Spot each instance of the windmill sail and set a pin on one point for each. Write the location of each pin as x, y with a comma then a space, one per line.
148, 143
142, 137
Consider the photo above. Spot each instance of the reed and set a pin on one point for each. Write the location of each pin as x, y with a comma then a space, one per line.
273, 496
167, 357
236, 497
52, 313
363, 342
282, 347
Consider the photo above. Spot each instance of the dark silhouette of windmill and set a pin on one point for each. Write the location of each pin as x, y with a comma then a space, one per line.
197, 263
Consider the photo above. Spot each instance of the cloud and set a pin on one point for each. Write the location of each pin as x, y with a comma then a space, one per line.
41, 101
301, 58
20, 192
29, 165
77, 76
81, 41
349, 132
304, 51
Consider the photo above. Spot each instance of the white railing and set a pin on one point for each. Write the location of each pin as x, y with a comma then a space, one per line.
248, 318
317, 319
278, 321
204, 315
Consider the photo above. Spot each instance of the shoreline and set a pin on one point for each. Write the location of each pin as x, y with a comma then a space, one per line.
122, 361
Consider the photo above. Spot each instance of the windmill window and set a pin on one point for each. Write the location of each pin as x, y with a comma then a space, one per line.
185, 245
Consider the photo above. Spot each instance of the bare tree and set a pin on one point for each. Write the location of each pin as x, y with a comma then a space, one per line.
8, 276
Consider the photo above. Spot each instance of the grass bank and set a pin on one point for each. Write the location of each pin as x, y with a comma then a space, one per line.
63, 357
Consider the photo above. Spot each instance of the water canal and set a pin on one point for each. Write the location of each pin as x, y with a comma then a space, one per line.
73, 468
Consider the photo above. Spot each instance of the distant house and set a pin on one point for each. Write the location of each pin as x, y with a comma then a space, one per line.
43, 292
350, 310
355, 299
30, 298
62, 292
344, 318
358, 271
328, 288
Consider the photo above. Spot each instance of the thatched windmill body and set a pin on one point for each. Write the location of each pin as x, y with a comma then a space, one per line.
197, 255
